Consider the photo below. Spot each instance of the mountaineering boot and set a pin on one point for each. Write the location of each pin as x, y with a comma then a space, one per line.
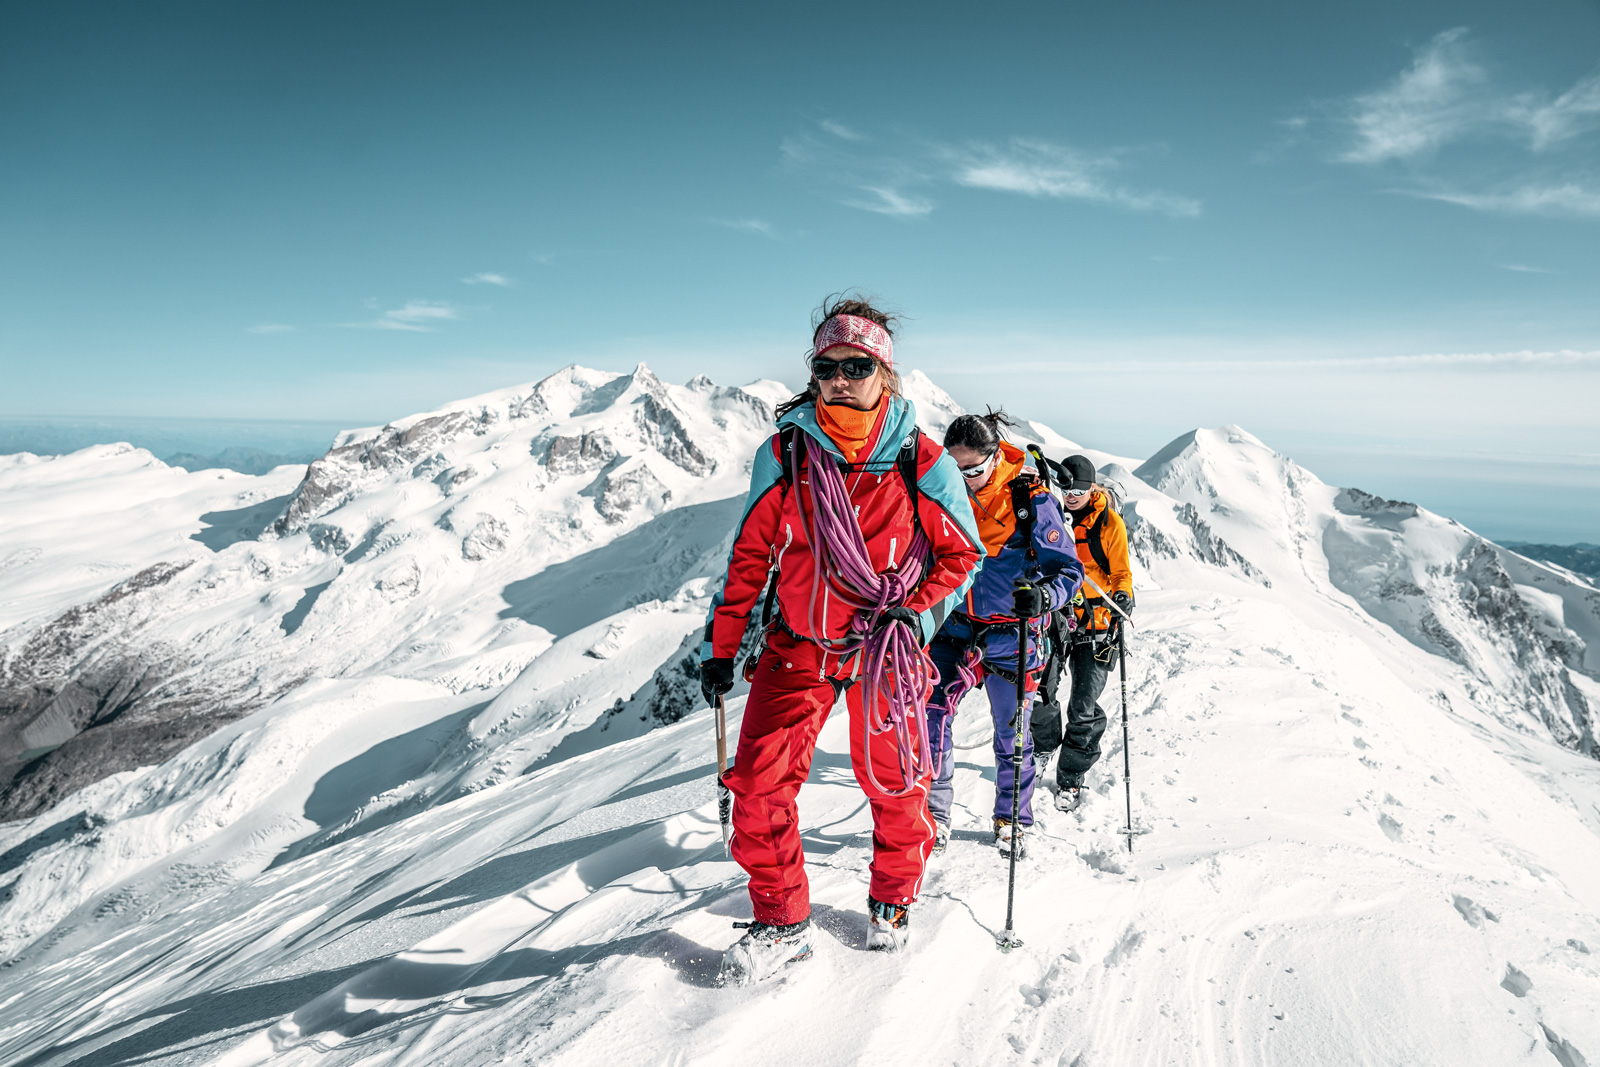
1069, 792
941, 838
763, 950
1041, 764
1007, 837
888, 925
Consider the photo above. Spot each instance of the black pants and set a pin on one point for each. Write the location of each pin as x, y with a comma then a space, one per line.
1079, 741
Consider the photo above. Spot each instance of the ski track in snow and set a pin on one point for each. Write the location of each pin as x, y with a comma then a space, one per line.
1333, 866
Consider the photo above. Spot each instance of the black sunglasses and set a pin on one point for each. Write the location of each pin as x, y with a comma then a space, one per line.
855, 368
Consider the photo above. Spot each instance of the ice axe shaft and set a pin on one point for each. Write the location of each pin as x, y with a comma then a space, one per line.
1112, 604
724, 796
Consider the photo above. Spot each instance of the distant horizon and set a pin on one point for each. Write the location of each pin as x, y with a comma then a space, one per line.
1445, 483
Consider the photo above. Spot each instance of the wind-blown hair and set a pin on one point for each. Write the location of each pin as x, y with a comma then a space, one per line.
843, 304
981, 433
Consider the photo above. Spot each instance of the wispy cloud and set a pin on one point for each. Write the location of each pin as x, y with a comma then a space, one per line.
415, 316
1574, 112
1434, 101
1559, 200
486, 278
1041, 169
841, 131
1447, 98
758, 227
887, 201
270, 327
898, 178
1523, 268
885, 180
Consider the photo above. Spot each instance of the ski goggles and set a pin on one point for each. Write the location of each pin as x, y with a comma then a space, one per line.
854, 368
981, 469
1077, 492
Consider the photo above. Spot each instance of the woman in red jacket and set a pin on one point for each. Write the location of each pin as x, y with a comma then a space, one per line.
864, 526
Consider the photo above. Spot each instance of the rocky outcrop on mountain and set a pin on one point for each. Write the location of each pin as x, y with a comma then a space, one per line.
629, 489
82, 697
1198, 542
333, 479
580, 454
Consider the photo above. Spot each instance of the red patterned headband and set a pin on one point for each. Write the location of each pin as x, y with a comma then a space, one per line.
858, 333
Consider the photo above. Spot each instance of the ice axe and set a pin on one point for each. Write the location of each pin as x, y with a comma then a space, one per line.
724, 795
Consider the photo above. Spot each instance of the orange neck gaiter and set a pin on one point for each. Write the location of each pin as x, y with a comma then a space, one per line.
991, 505
852, 429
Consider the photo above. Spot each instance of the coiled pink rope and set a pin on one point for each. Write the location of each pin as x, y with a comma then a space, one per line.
897, 671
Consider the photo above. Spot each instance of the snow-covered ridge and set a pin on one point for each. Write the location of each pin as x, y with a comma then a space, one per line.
433, 694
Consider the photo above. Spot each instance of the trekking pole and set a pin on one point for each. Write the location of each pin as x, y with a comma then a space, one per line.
1127, 774
1122, 659
724, 796
1009, 940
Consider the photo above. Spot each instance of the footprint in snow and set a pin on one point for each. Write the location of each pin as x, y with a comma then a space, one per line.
1472, 912
1562, 1049
1390, 827
1130, 940
1515, 982
1101, 860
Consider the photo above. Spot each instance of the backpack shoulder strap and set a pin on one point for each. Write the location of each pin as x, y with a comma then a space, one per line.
788, 439
1022, 506
1091, 537
906, 461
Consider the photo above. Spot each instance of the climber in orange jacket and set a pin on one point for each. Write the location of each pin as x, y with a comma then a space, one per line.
1102, 544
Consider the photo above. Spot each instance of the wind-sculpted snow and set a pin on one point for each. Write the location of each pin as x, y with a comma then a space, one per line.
471, 819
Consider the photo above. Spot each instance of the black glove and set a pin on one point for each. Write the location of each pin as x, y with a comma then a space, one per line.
1030, 601
1123, 601
905, 615
716, 678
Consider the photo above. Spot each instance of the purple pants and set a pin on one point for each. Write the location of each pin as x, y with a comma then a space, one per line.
1003, 708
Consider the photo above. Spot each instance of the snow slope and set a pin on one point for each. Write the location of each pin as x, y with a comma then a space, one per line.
1356, 847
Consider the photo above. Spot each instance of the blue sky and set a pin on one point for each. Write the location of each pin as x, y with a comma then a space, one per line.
1366, 232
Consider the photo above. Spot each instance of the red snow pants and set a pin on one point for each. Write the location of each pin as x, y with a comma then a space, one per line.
789, 701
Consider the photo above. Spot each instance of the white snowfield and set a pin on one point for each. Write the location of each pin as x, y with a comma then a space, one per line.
466, 825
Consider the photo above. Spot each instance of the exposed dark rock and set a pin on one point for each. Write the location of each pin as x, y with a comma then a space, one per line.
664, 430
624, 491
487, 538
579, 455
82, 698
1148, 543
